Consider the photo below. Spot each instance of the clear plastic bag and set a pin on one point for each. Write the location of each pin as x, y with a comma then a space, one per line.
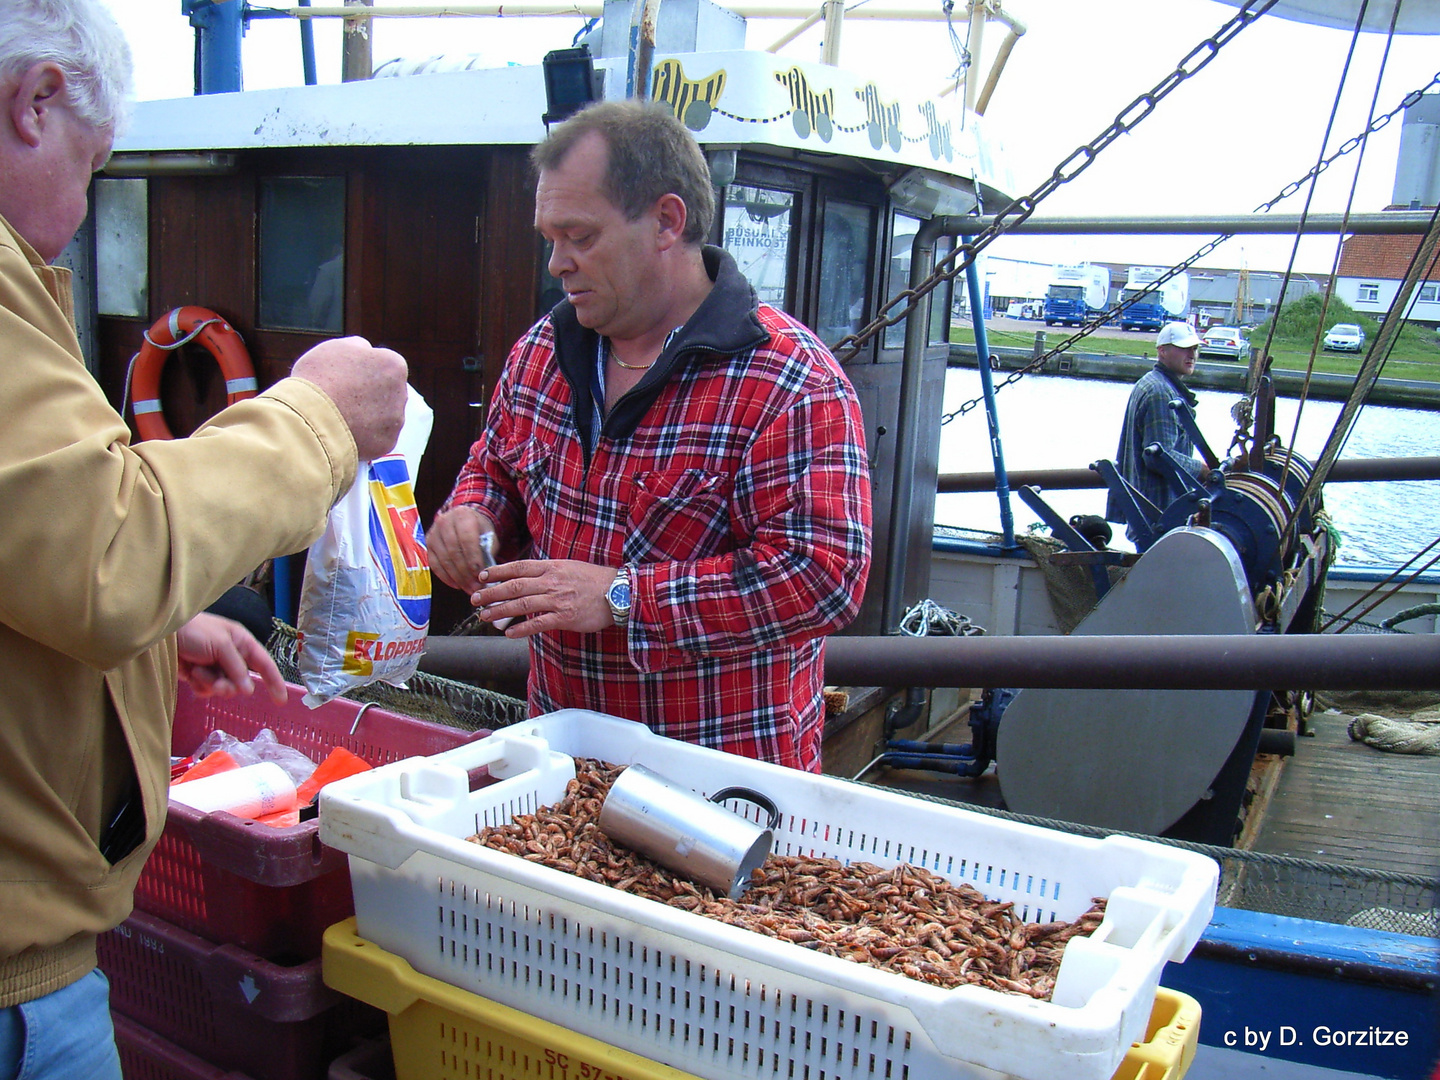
365, 600
264, 747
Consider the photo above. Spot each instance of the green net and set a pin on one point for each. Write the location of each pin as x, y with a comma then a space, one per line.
425, 696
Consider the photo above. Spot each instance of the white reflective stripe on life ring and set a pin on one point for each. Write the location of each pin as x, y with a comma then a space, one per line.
239, 386
142, 407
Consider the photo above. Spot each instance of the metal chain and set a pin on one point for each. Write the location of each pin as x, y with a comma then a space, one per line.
963, 255
1349, 146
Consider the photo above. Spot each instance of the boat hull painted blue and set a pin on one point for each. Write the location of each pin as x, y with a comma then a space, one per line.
1283, 988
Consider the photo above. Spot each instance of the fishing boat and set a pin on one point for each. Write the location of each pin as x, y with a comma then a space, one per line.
399, 208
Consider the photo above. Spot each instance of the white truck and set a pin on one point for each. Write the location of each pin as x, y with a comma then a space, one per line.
1169, 303
1077, 293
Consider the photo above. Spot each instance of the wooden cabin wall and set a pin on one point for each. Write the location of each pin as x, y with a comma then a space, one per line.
420, 254
441, 265
430, 231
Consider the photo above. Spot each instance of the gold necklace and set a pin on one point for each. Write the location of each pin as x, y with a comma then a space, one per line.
632, 367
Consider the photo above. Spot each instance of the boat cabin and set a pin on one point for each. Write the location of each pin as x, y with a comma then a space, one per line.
401, 209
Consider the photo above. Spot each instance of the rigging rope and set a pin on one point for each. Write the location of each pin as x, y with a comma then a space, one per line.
1377, 587
1287, 536
1255, 363
1348, 147
1420, 265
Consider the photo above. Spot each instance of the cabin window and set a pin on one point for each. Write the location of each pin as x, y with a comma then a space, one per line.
902, 239
1429, 293
845, 246
1369, 293
122, 247
940, 297
757, 233
302, 253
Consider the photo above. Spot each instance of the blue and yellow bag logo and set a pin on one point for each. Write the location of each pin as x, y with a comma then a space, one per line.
397, 539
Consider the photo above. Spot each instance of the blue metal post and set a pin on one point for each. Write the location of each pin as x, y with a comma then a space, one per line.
280, 578
307, 46
987, 387
219, 26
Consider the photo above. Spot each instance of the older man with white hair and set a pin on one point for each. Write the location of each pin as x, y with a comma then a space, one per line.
110, 550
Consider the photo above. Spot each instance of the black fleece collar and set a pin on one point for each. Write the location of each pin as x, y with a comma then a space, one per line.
1180, 388
726, 324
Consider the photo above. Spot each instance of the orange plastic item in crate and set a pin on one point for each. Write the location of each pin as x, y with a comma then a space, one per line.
271, 891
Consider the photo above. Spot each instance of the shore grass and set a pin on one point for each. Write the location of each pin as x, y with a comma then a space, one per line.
1413, 357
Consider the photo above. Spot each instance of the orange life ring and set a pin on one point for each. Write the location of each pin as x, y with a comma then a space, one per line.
170, 332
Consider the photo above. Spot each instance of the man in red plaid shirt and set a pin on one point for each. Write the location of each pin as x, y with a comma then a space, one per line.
686, 465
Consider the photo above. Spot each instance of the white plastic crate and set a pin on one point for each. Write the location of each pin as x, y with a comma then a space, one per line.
721, 1002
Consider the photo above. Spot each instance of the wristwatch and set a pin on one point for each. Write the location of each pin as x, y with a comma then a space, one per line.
618, 597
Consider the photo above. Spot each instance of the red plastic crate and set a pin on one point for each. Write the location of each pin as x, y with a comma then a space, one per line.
228, 1006
271, 891
146, 1056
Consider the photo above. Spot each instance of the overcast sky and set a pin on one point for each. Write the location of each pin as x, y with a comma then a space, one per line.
1224, 141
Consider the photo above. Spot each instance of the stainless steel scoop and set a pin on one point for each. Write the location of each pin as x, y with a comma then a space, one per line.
701, 841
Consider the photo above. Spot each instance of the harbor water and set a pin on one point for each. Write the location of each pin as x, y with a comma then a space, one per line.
1053, 422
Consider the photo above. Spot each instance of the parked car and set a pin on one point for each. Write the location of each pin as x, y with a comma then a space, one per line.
1225, 342
1345, 337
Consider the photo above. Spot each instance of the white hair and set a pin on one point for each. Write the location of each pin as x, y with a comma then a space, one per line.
83, 39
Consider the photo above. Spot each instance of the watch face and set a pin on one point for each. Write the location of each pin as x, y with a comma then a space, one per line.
620, 594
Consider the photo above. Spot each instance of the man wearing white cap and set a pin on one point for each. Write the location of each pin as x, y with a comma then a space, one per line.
1149, 420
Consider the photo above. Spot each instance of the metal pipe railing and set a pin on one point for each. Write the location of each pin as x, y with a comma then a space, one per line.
1201, 662
588, 9
1353, 470
1387, 223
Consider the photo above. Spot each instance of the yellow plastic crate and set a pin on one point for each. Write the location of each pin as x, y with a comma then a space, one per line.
438, 1030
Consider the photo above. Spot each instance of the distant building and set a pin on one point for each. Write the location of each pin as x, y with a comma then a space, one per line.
1217, 295
1372, 267
1245, 297
1417, 165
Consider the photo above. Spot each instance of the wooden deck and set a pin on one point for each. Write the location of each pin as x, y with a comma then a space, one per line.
1344, 802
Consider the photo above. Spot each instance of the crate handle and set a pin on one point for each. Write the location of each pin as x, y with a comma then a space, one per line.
752, 796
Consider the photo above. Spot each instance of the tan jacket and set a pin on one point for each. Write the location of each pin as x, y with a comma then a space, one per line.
105, 550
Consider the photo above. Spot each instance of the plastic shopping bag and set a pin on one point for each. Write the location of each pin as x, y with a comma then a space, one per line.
365, 600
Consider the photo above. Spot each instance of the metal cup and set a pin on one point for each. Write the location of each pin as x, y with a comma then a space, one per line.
703, 842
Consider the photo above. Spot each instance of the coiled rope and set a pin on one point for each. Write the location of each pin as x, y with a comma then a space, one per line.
1418, 735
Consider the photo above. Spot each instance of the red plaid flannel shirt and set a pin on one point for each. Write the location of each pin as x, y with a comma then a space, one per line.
740, 500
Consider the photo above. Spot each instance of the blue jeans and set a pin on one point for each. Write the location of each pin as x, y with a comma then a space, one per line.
66, 1035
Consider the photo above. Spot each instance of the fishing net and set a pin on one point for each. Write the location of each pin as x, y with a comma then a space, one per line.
425, 696
1283, 885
